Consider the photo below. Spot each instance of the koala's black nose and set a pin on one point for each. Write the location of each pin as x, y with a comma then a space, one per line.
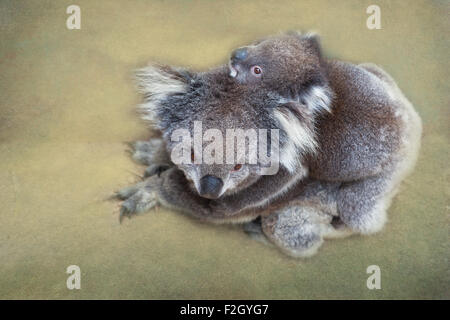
239, 54
210, 187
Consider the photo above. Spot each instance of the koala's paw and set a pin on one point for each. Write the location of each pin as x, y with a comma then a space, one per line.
253, 227
148, 152
254, 230
155, 169
297, 230
139, 198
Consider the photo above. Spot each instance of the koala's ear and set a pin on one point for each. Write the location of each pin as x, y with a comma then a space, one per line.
317, 98
258, 41
312, 41
157, 83
314, 98
297, 122
162, 79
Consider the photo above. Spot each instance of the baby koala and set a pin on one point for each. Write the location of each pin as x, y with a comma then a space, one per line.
342, 137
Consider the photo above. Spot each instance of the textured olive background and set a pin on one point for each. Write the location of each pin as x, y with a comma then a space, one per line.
67, 105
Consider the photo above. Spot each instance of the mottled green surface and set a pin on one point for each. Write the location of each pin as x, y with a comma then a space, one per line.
67, 104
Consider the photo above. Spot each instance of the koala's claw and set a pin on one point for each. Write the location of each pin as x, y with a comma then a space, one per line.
139, 202
147, 152
127, 192
253, 227
126, 210
138, 199
146, 146
155, 169
254, 230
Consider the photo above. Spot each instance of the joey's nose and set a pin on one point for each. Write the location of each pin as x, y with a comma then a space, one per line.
210, 187
239, 54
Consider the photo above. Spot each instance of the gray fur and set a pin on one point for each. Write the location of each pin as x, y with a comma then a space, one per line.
348, 137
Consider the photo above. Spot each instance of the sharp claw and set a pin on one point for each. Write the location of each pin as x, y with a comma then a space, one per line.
161, 169
119, 195
127, 209
112, 197
129, 144
125, 193
151, 173
153, 204
137, 199
155, 170
122, 214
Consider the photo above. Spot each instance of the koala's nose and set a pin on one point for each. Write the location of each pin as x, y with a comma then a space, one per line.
210, 187
239, 54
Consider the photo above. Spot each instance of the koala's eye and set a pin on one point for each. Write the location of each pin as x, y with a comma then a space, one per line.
256, 71
192, 155
237, 167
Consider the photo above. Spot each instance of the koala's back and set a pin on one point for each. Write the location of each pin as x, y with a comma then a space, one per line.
372, 127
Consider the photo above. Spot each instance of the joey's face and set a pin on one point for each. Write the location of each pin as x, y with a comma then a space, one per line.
245, 66
277, 63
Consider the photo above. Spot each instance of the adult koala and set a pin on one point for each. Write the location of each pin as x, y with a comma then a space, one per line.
348, 136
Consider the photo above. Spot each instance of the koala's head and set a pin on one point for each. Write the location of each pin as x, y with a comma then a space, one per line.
290, 69
288, 64
196, 111
209, 124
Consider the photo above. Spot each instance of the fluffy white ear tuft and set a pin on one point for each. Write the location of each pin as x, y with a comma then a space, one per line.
301, 139
156, 83
318, 99
296, 118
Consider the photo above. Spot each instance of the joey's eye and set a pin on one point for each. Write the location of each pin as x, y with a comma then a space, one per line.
256, 71
192, 155
237, 167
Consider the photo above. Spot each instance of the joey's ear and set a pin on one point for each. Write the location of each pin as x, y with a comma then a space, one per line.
258, 41
162, 79
157, 83
312, 41
297, 122
296, 119
313, 98
294, 33
317, 98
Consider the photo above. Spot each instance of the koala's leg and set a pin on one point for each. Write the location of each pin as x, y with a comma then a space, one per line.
152, 153
376, 70
297, 230
362, 204
323, 196
138, 198
172, 190
254, 230
168, 189
300, 227
253, 227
